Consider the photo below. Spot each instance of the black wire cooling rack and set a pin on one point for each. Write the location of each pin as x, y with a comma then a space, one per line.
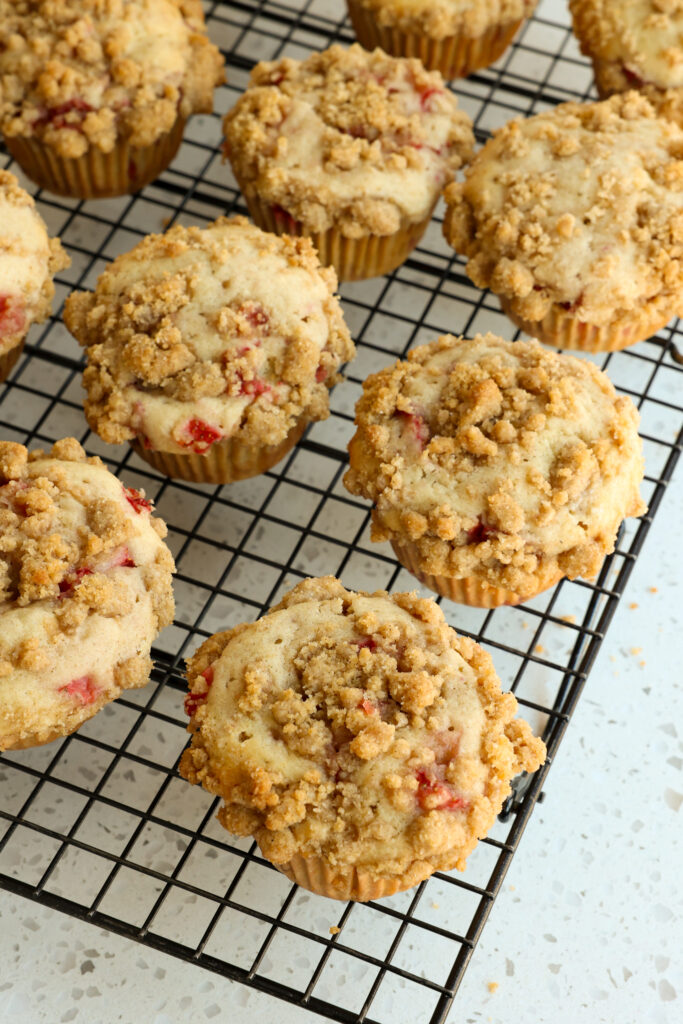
99, 825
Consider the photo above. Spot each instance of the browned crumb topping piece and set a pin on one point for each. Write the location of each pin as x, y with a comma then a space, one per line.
357, 727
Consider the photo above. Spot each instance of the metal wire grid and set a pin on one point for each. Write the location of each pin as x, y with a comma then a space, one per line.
99, 825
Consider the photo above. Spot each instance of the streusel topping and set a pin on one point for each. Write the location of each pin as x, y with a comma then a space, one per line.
80, 73
645, 37
28, 261
580, 206
439, 19
198, 334
358, 140
498, 459
85, 586
357, 727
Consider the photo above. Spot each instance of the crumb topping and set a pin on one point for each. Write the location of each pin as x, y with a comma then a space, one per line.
498, 459
358, 140
202, 334
81, 73
28, 262
439, 19
642, 38
357, 727
582, 207
85, 586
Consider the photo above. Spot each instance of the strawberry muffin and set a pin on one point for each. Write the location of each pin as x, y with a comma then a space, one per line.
454, 37
85, 586
350, 148
94, 94
211, 349
495, 467
28, 262
635, 45
574, 218
357, 737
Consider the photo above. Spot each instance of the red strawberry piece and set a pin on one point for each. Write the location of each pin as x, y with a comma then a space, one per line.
12, 316
417, 427
254, 313
434, 795
633, 78
284, 220
139, 503
255, 387
479, 533
202, 436
367, 706
57, 116
368, 642
66, 586
426, 96
320, 374
195, 700
122, 558
82, 689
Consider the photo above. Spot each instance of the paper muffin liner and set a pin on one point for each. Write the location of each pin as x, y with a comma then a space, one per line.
97, 175
455, 56
225, 461
562, 329
9, 358
466, 589
354, 259
339, 883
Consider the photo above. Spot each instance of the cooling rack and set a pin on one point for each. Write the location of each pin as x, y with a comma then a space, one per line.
99, 825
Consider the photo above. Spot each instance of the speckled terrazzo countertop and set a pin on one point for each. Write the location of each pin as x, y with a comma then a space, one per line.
589, 926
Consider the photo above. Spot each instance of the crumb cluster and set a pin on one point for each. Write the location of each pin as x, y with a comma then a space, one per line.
357, 727
201, 334
497, 459
439, 19
359, 141
580, 209
82, 73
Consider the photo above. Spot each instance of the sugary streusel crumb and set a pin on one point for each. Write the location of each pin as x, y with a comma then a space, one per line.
386, 134
82, 73
496, 459
357, 727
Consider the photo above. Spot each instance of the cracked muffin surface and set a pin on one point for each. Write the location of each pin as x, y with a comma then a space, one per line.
498, 460
357, 728
199, 335
85, 586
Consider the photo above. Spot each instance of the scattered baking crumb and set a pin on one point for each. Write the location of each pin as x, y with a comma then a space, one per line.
492, 986
636, 650
525, 625
653, 590
511, 888
539, 649
334, 930
435, 906
642, 664
633, 605
569, 618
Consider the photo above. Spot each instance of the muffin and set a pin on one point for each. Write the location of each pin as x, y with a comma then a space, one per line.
636, 45
574, 218
28, 262
349, 148
495, 467
357, 737
85, 586
210, 349
94, 94
454, 37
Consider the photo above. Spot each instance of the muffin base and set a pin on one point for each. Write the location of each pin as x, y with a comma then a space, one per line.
562, 329
316, 875
39, 739
9, 358
354, 259
225, 462
466, 589
97, 175
455, 56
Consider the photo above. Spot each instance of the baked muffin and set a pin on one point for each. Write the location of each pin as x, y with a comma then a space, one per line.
635, 45
85, 586
94, 94
454, 37
350, 148
28, 262
210, 349
357, 737
495, 467
574, 218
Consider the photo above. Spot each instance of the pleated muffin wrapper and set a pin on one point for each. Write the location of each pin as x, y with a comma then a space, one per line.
455, 56
97, 175
563, 329
225, 462
9, 358
340, 883
354, 259
469, 590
